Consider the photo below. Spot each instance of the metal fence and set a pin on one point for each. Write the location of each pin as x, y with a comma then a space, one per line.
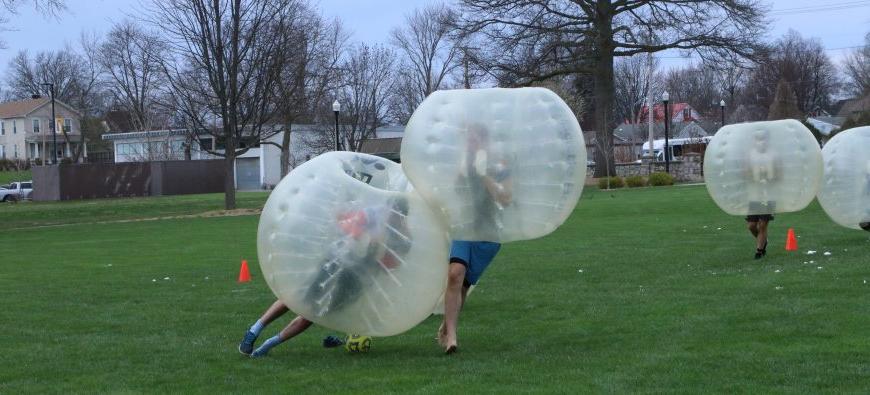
107, 180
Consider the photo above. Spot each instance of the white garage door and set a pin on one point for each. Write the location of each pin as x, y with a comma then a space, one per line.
247, 174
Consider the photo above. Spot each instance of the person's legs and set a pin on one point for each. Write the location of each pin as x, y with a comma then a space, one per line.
274, 311
753, 228
442, 329
453, 298
761, 242
297, 326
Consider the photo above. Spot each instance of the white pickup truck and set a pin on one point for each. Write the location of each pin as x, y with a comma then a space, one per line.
16, 191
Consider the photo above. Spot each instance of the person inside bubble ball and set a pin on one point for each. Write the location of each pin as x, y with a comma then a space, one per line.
763, 172
866, 224
373, 241
487, 180
490, 185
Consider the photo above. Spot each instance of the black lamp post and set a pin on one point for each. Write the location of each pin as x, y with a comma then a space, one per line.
722, 107
665, 98
336, 108
53, 124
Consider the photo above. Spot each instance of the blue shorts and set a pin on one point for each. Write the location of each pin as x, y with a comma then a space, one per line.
475, 256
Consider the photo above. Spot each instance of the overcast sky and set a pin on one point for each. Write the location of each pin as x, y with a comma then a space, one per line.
840, 24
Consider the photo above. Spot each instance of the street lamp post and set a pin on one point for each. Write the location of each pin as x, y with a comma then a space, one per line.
665, 98
336, 108
722, 107
53, 124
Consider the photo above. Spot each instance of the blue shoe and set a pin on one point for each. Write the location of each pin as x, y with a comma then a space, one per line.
332, 341
260, 352
247, 344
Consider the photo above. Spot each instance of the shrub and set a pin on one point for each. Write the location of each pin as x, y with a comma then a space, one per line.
660, 178
615, 182
635, 181
854, 121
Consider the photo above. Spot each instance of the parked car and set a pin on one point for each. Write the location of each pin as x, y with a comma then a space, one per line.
16, 191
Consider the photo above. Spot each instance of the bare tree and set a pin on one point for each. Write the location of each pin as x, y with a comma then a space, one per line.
130, 58
857, 69
730, 74
633, 80
696, 85
537, 39
801, 62
429, 55
62, 68
366, 86
315, 49
222, 68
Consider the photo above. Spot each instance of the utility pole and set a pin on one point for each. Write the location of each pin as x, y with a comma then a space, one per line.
649, 111
53, 124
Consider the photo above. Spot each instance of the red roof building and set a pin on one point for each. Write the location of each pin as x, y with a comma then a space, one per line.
680, 112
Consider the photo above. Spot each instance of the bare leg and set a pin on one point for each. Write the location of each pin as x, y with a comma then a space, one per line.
761, 242
753, 228
442, 330
297, 326
453, 298
274, 311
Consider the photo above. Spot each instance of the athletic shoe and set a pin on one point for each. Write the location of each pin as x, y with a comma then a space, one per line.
332, 341
247, 344
260, 352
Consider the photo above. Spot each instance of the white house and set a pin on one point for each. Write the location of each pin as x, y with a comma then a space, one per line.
157, 145
258, 168
25, 130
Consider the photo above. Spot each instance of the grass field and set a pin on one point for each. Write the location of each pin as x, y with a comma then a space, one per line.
11, 176
647, 290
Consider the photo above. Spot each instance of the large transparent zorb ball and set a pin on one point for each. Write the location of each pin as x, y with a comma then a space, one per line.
763, 167
845, 191
500, 164
345, 242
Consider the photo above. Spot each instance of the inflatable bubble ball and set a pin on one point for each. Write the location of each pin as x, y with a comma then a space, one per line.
500, 164
345, 242
845, 191
763, 167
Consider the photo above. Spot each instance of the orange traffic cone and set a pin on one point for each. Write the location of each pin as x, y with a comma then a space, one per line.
790, 241
244, 273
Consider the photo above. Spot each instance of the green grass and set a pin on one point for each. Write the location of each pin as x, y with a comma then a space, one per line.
11, 176
669, 300
29, 214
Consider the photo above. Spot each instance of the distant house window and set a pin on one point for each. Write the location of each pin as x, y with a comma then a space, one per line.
206, 144
35, 125
687, 114
15, 149
67, 125
177, 146
15, 130
2, 152
2, 128
157, 147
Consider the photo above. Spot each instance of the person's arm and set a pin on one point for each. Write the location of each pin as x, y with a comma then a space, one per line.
500, 191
